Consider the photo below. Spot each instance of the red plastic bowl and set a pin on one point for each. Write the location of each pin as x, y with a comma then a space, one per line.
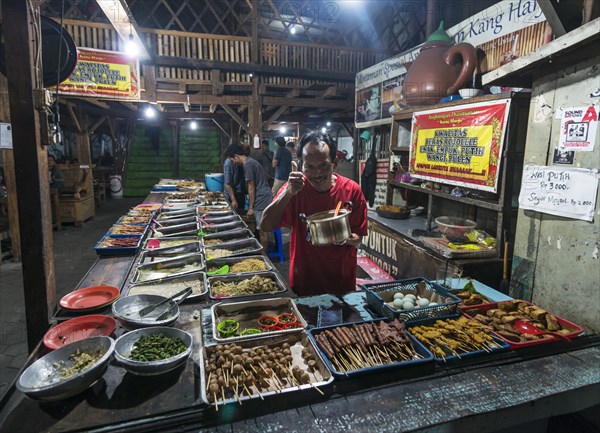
79, 328
89, 298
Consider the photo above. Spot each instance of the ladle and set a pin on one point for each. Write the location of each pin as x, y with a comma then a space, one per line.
150, 308
153, 243
167, 314
337, 208
524, 327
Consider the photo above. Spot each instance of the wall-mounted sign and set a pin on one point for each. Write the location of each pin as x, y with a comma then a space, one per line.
104, 74
6, 136
459, 145
563, 191
578, 128
501, 33
383, 169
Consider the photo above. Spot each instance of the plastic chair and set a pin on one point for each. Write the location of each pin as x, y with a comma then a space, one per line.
277, 249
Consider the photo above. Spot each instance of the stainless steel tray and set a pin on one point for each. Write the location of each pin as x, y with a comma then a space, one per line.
179, 213
177, 221
247, 314
281, 287
216, 228
220, 219
187, 239
177, 230
215, 213
228, 236
170, 285
233, 260
236, 248
298, 342
204, 209
179, 262
162, 254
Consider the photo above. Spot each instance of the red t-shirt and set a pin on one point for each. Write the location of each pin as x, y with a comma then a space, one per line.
323, 269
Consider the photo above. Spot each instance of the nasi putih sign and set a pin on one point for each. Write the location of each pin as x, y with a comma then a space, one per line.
503, 32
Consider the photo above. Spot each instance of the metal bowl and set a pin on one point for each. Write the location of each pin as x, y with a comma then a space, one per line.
455, 228
41, 380
126, 310
125, 344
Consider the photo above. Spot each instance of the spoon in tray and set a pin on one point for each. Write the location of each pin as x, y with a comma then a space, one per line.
524, 327
150, 308
167, 313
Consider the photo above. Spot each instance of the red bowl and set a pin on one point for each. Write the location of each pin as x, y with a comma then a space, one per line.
79, 328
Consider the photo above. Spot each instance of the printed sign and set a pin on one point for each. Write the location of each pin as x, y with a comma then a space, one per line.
501, 33
6, 136
383, 169
104, 74
578, 128
460, 145
567, 192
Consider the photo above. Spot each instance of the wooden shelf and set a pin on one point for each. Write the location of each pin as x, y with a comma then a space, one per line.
487, 204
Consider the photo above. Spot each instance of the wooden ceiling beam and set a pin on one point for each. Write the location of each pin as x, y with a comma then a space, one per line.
95, 102
235, 117
129, 105
342, 104
246, 68
275, 115
122, 20
329, 92
97, 124
293, 93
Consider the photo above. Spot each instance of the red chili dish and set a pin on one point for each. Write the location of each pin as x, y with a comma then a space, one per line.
265, 321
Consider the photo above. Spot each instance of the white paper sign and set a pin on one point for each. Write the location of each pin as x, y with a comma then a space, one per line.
6, 136
578, 128
566, 192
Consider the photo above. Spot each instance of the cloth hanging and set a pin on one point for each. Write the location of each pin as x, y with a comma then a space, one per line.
368, 180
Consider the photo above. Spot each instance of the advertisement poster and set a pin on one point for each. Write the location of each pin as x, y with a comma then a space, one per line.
578, 128
563, 191
383, 170
460, 145
104, 74
501, 33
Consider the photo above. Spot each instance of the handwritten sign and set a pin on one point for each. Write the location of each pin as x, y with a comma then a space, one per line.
566, 192
459, 145
383, 169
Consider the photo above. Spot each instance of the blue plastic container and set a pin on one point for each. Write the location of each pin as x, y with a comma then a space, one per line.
214, 182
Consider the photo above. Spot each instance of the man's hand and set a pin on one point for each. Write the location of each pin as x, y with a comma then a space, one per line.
250, 212
295, 181
234, 203
354, 240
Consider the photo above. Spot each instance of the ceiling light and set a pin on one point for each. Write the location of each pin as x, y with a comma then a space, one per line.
328, 124
293, 30
282, 129
324, 130
131, 47
150, 112
193, 124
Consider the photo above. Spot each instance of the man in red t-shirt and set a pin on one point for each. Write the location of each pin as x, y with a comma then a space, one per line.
318, 269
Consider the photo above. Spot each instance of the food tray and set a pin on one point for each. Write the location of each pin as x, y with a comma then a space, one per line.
233, 260
117, 251
215, 213
173, 285
425, 364
472, 310
168, 222
143, 220
179, 262
202, 209
393, 215
176, 230
161, 254
187, 239
247, 314
217, 228
454, 358
142, 227
164, 188
219, 219
378, 294
237, 248
179, 213
281, 287
230, 235
299, 341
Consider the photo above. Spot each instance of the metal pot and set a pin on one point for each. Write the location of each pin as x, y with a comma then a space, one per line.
323, 228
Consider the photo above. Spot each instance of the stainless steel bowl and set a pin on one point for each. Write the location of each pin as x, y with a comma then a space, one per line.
125, 343
126, 310
41, 380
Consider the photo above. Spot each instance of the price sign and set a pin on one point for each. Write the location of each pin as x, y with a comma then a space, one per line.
566, 192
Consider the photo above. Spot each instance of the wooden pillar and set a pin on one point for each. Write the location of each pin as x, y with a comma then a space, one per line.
31, 173
8, 162
175, 127
255, 110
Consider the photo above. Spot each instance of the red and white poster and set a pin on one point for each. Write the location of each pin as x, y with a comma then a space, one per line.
104, 74
578, 128
460, 145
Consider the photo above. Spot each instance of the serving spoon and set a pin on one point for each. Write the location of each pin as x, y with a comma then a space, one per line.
524, 327
150, 308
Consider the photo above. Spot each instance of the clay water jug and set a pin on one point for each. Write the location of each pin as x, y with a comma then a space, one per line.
440, 69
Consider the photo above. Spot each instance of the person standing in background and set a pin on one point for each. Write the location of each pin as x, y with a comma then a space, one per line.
282, 162
292, 148
265, 158
259, 192
235, 184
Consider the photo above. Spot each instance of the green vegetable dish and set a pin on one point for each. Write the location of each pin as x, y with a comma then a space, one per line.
156, 347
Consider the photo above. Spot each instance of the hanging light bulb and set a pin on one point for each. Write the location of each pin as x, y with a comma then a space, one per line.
193, 124
131, 47
324, 130
282, 129
150, 112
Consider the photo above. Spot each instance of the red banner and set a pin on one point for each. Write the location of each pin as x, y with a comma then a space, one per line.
459, 145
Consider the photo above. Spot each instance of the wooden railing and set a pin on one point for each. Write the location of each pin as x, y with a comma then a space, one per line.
228, 49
